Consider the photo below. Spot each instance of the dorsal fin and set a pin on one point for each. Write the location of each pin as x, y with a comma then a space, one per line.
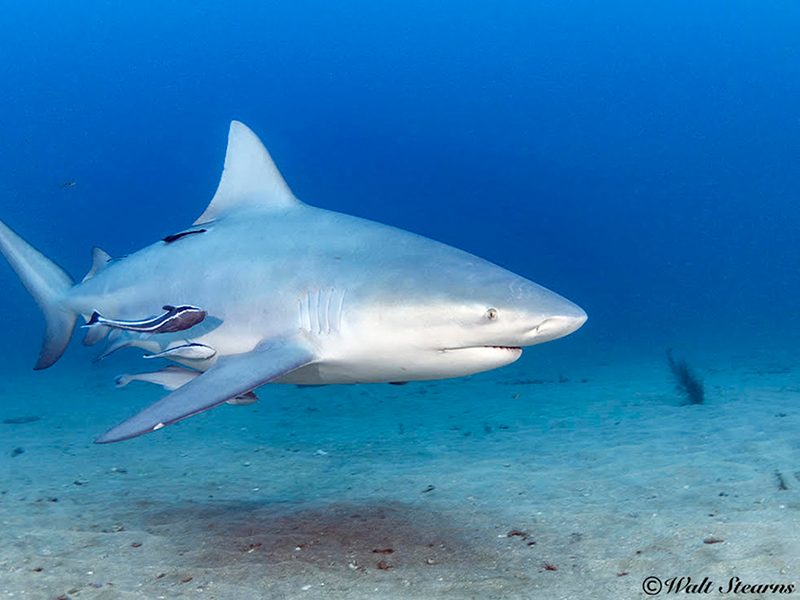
250, 177
100, 258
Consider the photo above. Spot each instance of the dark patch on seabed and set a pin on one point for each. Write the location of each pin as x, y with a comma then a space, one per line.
344, 545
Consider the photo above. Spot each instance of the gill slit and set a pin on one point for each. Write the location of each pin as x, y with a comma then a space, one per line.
327, 311
340, 311
321, 311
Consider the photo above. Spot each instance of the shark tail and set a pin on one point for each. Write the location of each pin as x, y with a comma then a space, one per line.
48, 284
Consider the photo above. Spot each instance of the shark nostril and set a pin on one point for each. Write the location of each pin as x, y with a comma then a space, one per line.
556, 327
549, 325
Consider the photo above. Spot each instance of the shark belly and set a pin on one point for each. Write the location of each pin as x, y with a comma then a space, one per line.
369, 368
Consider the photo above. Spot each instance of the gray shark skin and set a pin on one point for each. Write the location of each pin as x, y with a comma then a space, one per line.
294, 294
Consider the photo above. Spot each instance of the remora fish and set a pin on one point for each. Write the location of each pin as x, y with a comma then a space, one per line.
300, 295
175, 319
185, 351
173, 377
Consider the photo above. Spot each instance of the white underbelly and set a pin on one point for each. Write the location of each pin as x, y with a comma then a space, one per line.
403, 366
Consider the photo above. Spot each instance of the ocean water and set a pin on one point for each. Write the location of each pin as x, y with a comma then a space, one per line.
640, 159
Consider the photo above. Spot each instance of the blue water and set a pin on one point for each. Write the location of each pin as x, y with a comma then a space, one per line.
639, 158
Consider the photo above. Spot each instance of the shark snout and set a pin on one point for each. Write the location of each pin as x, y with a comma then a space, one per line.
558, 326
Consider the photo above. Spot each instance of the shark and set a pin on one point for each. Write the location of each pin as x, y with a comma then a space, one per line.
273, 290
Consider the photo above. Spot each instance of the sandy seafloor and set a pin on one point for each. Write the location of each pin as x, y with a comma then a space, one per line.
588, 464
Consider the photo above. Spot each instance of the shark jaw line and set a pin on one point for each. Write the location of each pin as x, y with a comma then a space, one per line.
483, 357
467, 360
507, 348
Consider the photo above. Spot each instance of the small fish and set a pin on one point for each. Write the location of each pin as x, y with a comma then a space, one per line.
69, 184
170, 378
175, 319
173, 377
243, 400
190, 351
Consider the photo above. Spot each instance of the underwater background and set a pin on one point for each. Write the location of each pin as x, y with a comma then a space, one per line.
641, 159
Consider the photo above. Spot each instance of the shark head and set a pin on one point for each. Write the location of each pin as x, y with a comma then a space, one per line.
456, 314
508, 312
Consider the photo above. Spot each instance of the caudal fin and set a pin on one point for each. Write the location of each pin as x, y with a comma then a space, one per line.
47, 283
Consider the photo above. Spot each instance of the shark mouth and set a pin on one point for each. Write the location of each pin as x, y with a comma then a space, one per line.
475, 359
509, 348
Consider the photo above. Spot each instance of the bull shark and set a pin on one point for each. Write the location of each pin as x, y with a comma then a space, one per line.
292, 294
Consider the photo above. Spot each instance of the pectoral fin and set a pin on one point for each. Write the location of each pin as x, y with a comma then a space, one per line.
231, 376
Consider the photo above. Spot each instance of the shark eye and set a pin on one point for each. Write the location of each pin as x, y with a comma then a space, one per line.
491, 314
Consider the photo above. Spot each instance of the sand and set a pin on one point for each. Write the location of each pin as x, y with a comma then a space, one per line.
556, 477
